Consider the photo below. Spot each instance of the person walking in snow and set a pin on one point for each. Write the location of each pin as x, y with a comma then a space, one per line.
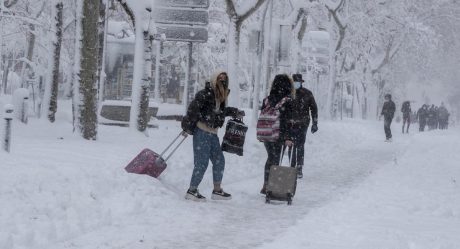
422, 116
281, 94
406, 110
443, 117
431, 117
388, 112
304, 105
205, 115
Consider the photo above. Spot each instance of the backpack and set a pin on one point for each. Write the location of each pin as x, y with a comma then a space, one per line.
268, 124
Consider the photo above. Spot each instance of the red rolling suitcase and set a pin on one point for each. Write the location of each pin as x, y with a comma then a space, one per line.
151, 163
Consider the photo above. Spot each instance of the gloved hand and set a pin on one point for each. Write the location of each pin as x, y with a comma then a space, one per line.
186, 133
314, 128
240, 114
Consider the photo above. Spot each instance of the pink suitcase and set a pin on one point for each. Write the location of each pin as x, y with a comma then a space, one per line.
151, 163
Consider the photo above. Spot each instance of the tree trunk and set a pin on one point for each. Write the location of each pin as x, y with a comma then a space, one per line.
143, 117
53, 88
103, 25
88, 70
234, 85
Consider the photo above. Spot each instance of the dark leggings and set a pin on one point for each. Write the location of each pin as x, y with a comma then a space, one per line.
406, 120
387, 127
274, 152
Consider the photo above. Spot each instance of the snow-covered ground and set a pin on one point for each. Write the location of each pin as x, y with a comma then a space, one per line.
59, 191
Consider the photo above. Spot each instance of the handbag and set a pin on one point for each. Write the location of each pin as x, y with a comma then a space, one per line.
235, 134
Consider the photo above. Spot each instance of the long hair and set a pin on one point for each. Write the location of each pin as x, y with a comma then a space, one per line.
282, 86
221, 92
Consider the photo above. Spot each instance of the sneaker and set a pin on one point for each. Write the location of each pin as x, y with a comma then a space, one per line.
220, 195
299, 172
388, 140
194, 195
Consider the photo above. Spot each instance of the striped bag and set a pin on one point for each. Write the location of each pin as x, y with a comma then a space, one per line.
268, 124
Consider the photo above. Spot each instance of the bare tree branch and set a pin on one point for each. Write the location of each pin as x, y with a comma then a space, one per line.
10, 3
128, 11
342, 28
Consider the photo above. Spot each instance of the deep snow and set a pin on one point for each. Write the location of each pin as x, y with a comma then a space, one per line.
59, 191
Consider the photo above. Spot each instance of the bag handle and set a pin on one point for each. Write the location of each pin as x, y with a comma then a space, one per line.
175, 148
289, 155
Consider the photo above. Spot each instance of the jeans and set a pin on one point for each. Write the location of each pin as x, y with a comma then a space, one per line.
206, 146
387, 128
274, 153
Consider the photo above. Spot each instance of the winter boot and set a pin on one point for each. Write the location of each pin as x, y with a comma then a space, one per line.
220, 195
194, 195
263, 191
299, 171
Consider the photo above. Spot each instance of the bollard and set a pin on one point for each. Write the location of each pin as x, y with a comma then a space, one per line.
8, 117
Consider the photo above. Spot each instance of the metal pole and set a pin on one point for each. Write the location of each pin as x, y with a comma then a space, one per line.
341, 103
187, 76
157, 71
8, 118
3, 84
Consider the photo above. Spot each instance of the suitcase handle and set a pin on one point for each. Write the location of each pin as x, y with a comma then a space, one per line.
175, 148
289, 155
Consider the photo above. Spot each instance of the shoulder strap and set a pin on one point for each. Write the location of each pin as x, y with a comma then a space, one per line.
281, 103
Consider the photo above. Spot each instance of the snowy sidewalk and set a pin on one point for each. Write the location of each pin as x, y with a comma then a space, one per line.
413, 203
58, 191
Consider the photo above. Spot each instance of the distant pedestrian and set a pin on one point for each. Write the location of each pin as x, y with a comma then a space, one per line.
422, 116
431, 117
388, 112
406, 110
304, 105
443, 117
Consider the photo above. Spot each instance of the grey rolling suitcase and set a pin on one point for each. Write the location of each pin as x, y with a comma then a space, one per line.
282, 182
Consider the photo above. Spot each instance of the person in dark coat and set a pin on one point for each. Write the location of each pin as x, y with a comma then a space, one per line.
282, 90
304, 106
388, 112
205, 115
443, 117
431, 117
422, 116
406, 110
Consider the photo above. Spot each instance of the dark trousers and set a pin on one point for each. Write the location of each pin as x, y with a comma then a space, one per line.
422, 124
298, 155
274, 153
406, 120
387, 127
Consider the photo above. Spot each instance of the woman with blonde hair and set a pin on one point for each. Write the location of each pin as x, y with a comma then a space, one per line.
205, 115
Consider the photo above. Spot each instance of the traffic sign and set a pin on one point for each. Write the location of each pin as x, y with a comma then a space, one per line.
185, 34
184, 3
181, 16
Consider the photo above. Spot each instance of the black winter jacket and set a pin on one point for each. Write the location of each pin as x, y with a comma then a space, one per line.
304, 105
202, 109
388, 110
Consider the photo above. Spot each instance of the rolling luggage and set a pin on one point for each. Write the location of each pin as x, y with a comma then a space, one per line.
282, 182
151, 163
235, 134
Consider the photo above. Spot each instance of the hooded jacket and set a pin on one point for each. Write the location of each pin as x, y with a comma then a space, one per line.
207, 109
